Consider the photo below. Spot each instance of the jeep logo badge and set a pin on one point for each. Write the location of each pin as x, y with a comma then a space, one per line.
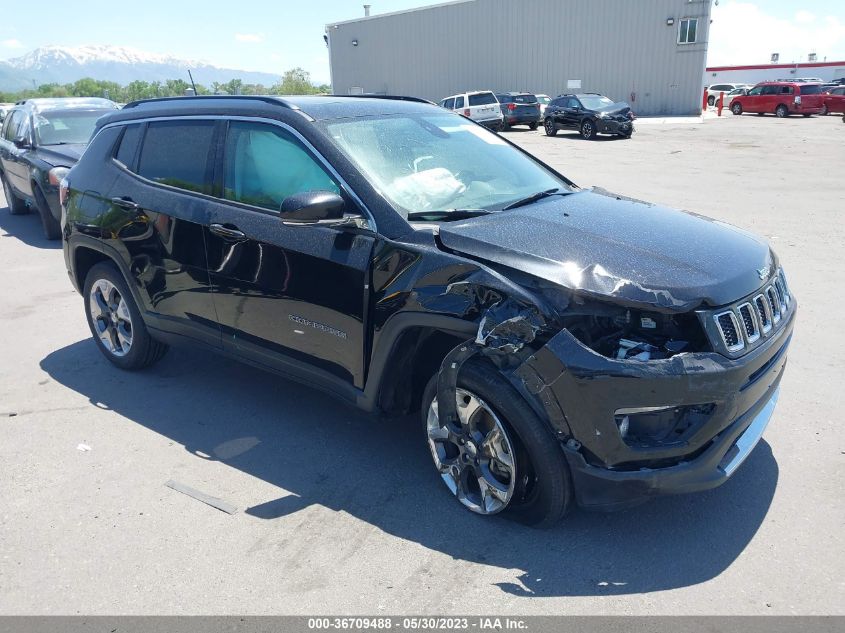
764, 273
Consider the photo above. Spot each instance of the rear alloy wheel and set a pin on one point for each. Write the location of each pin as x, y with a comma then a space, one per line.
50, 225
15, 204
588, 130
550, 127
736, 108
499, 457
711, 101
782, 111
115, 322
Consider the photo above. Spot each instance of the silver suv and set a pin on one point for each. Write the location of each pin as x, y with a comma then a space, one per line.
481, 106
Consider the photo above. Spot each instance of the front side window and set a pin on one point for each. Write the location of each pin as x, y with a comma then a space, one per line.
688, 31
12, 125
449, 104
264, 165
177, 153
438, 162
66, 127
755, 91
459, 103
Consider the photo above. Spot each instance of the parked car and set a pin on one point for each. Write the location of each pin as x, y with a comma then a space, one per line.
519, 108
589, 114
781, 98
40, 141
834, 101
480, 106
715, 90
544, 101
562, 345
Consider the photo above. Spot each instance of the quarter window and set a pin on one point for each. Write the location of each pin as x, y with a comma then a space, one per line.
688, 31
176, 153
129, 145
264, 165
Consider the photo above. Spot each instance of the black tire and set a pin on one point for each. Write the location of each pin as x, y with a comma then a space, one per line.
16, 205
807, 116
550, 127
49, 224
144, 350
532, 126
736, 108
588, 130
711, 101
761, 114
505, 126
544, 494
781, 111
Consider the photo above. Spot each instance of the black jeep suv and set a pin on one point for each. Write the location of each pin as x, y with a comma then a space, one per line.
562, 345
41, 140
589, 114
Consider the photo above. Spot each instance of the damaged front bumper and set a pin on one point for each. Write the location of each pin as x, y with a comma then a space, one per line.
581, 393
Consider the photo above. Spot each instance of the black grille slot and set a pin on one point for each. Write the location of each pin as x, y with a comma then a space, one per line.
729, 331
747, 316
773, 301
762, 312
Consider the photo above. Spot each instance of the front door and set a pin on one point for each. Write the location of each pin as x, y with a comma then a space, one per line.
284, 294
753, 100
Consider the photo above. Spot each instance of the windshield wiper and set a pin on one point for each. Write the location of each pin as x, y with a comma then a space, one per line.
448, 214
536, 197
59, 143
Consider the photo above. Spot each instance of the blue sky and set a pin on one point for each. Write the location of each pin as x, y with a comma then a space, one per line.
275, 36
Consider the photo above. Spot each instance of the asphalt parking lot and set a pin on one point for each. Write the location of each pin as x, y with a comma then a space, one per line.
341, 513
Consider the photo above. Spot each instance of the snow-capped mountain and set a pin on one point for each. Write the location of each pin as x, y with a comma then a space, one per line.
65, 64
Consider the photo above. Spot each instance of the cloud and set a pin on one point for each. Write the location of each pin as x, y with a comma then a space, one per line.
251, 38
12, 43
743, 33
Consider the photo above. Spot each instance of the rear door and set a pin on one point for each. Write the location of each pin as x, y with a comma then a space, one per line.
811, 96
157, 218
460, 104
770, 98
572, 111
285, 295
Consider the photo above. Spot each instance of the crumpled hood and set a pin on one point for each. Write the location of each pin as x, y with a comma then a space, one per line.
616, 108
633, 252
61, 155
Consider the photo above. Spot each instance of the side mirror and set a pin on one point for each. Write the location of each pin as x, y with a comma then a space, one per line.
20, 142
312, 207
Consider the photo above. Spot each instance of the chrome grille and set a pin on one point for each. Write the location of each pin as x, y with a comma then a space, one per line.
764, 313
744, 324
729, 327
752, 330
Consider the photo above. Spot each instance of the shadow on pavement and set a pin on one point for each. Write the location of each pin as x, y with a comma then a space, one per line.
379, 471
26, 228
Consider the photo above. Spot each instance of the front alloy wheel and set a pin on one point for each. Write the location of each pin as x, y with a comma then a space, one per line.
111, 318
549, 125
476, 459
588, 130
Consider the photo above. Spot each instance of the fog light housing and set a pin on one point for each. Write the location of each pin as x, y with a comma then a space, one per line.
657, 426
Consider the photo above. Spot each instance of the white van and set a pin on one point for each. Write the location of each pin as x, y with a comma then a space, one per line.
481, 106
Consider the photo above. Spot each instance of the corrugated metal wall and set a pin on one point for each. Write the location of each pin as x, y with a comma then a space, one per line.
617, 47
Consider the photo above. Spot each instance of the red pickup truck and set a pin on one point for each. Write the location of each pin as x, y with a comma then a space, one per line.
781, 98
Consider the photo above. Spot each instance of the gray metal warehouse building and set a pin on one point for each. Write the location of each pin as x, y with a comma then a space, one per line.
651, 53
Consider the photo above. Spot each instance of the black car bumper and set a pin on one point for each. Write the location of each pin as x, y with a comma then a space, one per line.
581, 392
609, 126
491, 124
522, 119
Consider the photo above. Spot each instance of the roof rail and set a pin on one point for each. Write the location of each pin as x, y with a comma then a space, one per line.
265, 99
388, 97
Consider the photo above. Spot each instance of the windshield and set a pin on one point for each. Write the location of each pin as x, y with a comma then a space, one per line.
66, 126
595, 102
439, 162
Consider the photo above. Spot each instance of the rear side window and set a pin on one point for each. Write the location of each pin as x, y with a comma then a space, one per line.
128, 146
264, 165
811, 90
176, 153
771, 90
483, 98
786, 90
459, 103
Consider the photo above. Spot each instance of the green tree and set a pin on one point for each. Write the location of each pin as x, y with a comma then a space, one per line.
295, 81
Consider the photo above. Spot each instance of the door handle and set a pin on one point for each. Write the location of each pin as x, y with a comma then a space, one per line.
125, 203
227, 233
